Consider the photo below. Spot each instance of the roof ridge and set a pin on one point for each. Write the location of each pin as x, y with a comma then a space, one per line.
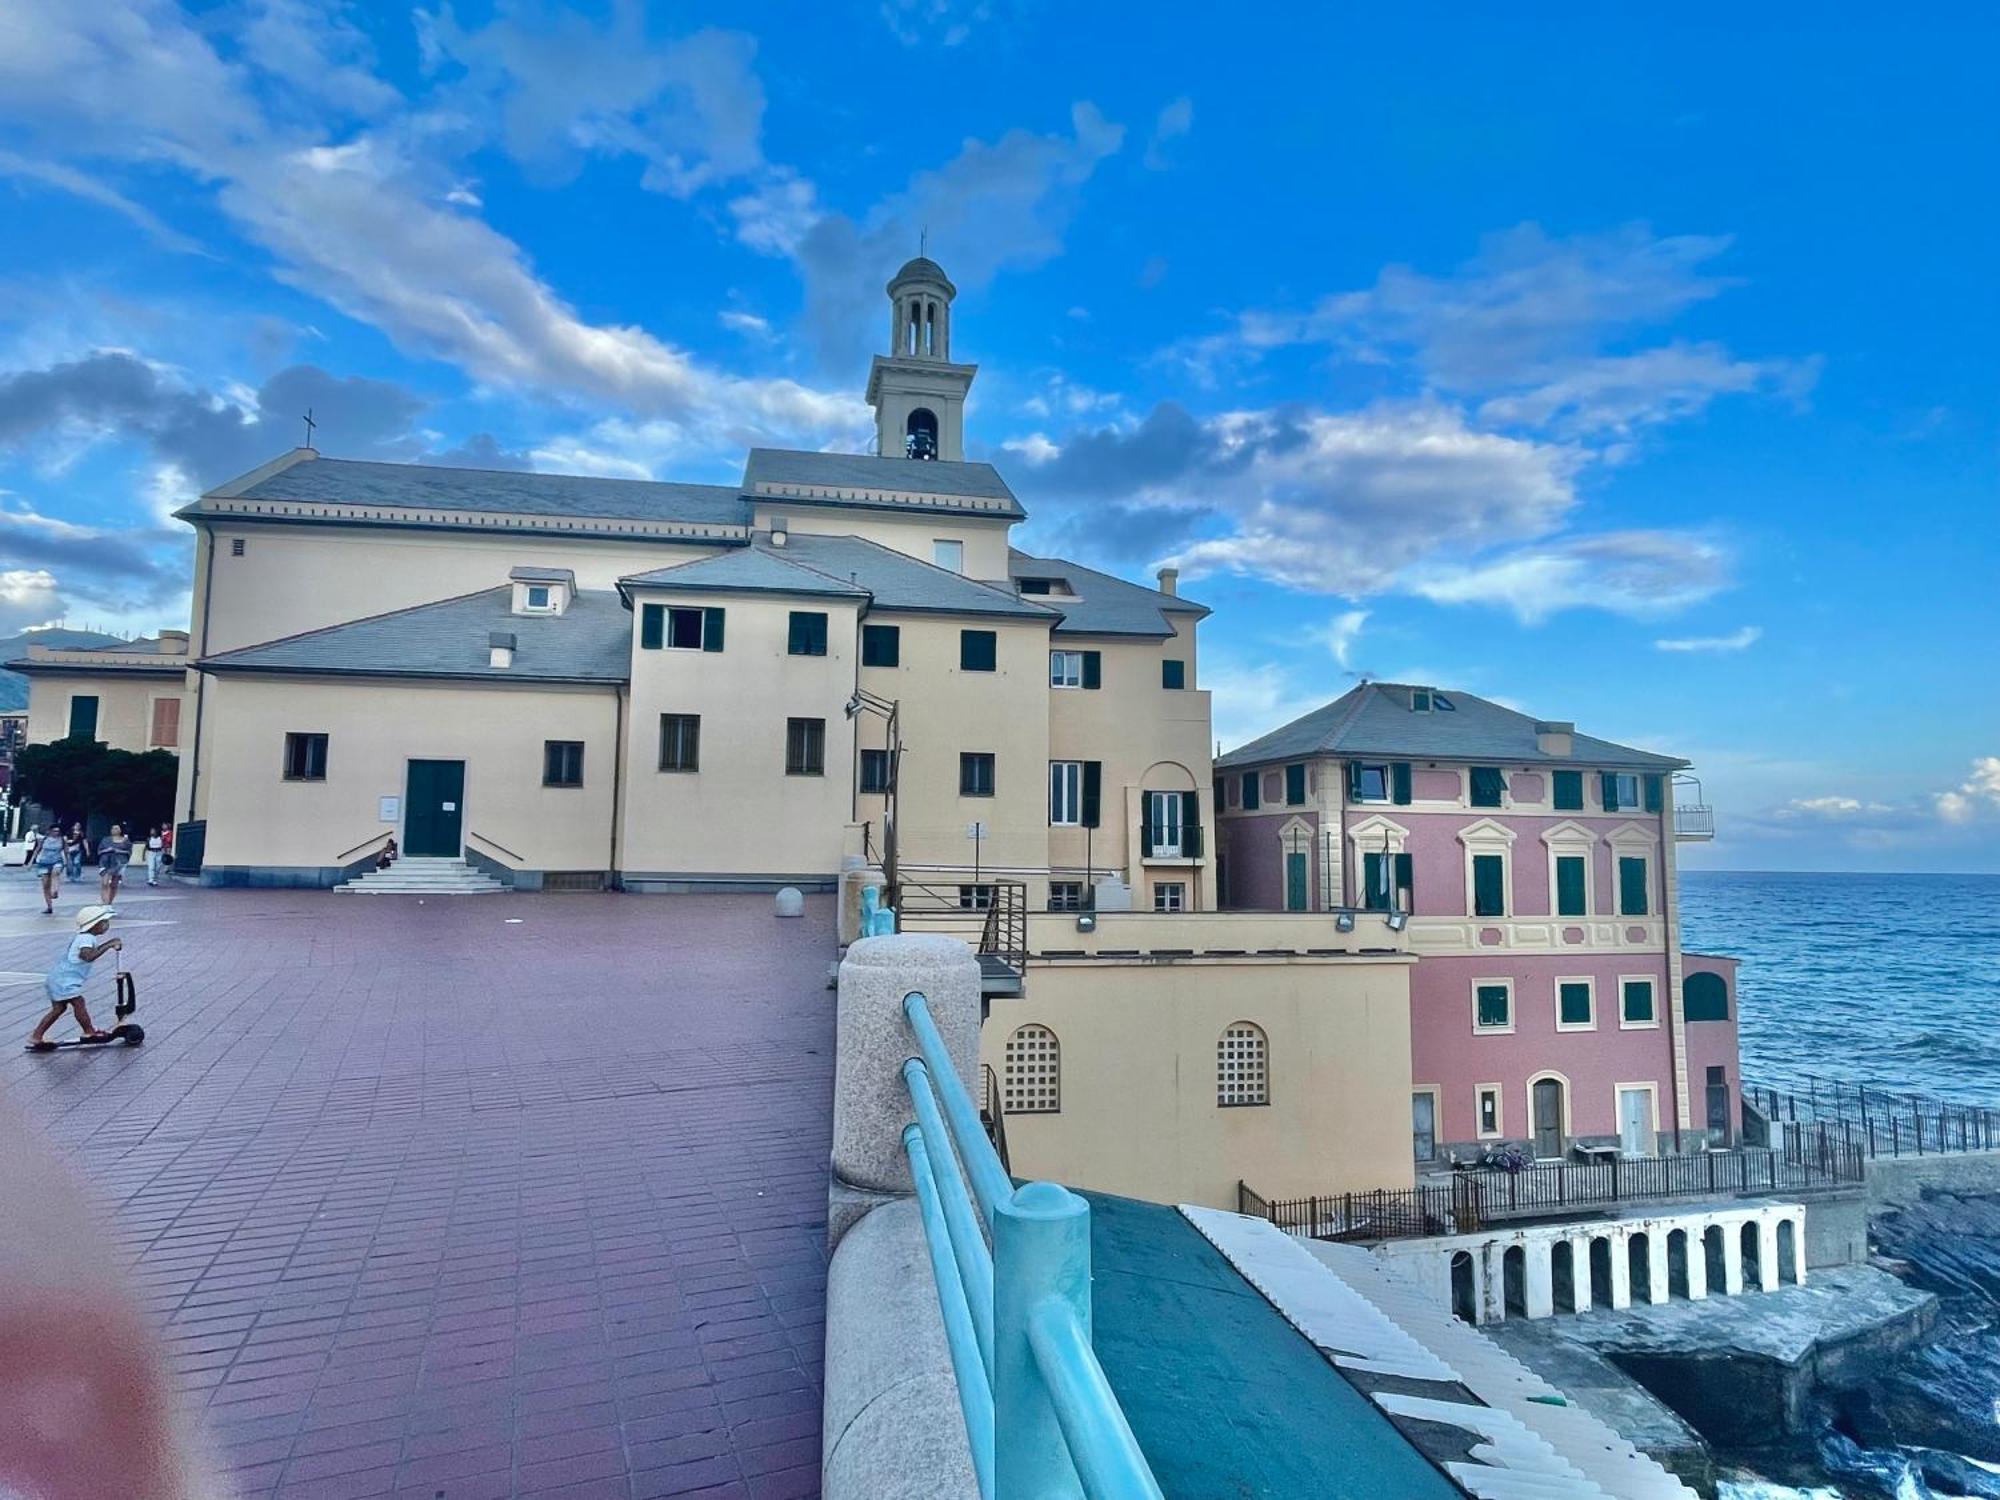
386, 614
390, 463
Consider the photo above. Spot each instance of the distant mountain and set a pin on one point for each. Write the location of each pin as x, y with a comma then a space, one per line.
13, 686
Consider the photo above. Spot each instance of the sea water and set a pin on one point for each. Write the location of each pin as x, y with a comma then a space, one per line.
1892, 980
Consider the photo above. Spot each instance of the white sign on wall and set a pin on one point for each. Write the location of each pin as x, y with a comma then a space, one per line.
975, 830
388, 809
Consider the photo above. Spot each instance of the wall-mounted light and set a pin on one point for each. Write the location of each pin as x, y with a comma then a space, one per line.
1087, 922
1344, 922
1398, 920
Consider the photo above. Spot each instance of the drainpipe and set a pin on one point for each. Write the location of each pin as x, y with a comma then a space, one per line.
1667, 947
200, 679
617, 775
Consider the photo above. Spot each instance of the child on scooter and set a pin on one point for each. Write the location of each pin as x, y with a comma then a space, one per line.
66, 980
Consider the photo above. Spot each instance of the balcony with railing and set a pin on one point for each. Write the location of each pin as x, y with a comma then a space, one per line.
1694, 819
1169, 841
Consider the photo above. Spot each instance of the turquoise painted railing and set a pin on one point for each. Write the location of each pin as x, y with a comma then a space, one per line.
1012, 1267
877, 920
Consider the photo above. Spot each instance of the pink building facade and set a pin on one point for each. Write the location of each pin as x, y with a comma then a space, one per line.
1552, 1007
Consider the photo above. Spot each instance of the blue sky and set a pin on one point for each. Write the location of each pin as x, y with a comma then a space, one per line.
1630, 370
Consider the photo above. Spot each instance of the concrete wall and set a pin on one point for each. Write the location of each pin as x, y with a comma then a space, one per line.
374, 728
1894, 1181
1139, 1113
124, 706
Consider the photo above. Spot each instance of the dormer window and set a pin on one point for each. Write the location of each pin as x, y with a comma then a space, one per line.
1425, 700
538, 601
542, 591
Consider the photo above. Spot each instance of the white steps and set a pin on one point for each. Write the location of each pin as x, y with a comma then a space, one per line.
423, 875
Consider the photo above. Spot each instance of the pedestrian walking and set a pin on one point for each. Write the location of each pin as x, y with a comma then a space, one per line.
114, 853
48, 859
156, 853
76, 849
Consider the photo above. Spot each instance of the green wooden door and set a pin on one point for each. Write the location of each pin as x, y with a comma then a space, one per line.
1296, 895
434, 807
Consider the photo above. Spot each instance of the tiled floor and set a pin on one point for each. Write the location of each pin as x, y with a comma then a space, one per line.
469, 1197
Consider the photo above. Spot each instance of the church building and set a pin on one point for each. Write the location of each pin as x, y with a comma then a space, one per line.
570, 681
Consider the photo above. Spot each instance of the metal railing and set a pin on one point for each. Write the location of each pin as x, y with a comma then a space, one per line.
1155, 842
996, 924
1012, 1267
993, 1116
1694, 822
1861, 1117
1474, 1199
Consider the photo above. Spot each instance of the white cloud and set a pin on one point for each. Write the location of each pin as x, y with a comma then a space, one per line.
746, 323
1977, 796
1736, 640
941, 23
1837, 808
1341, 634
81, 185
1173, 122
1644, 574
28, 598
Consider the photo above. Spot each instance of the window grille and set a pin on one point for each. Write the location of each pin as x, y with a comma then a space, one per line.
1242, 1066
1032, 1084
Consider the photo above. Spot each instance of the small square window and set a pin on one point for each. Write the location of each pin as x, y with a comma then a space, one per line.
1170, 895
1626, 787
680, 742
538, 596
875, 776
562, 763
1638, 1002
978, 650
807, 635
1371, 782
1173, 675
949, 555
881, 645
805, 747
305, 757
975, 898
975, 773
1066, 895
1066, 669
1489, 787
684, 631
1493, 1006
1575, 1009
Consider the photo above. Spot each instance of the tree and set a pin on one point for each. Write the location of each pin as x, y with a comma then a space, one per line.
79, 779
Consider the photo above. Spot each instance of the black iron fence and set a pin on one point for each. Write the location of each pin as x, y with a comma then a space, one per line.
1472, 1199
1877, 1122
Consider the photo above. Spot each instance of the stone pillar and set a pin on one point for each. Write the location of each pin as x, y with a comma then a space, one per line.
1656, 1266
1621, 1271
1732, 1257
1697, 1262
1767, 1252
1539, 1277
871, 1103
1579, 1259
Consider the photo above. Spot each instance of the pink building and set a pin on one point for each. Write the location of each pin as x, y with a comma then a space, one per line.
1552, 1006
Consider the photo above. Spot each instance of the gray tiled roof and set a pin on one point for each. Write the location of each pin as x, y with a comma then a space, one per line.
955, 486
347, 481
1102, 604
591, 641
1376, 719
757, 569
897, 581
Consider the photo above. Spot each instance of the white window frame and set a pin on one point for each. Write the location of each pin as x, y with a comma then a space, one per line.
1499, 1093
667, 627
1066, 669
1376, 835
1388, 796
1146, 810
1489, 837
1619, 780
1066, 794
1170, 895
546, 605
1568, 1097
1652, 980
1436, 1095
1572, 840
948, 553
1589, 981
1500, 981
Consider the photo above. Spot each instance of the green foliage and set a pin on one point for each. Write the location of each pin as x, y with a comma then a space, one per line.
80, 778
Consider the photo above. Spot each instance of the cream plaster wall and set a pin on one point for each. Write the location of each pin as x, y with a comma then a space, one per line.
740, 814
124, 707
910, 534
946, 711
1138, 1082
374, 727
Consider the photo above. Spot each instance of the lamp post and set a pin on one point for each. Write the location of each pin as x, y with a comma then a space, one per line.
889, 710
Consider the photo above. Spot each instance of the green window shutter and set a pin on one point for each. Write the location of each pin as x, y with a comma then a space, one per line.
806, 635
1607, 785
1654, 796
1492, 1004
1631, 887
1573, 1001
1191, 824
1093, 784
1638, 1000
1374, 897
1295, 785
1406, 876
711, 629
83, 716
1489, 885
1569, 791
652, 626
1253, 787
1354, 781
1145, 835
1705, 997
1093, 669
1488, 786
1399, 783
1571, 897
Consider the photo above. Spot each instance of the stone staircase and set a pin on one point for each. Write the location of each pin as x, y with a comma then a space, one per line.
422, 875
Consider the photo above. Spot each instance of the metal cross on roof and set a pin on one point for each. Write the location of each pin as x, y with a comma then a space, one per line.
310, 424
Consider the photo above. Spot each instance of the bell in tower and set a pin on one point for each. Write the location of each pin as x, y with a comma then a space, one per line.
917, 392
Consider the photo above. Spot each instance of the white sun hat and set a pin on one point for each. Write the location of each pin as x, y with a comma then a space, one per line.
90, 916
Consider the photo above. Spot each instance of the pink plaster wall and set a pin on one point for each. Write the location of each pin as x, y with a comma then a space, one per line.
1713, 1043
1436, 786
1256, 873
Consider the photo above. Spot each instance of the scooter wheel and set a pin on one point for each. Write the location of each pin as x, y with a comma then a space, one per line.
130, 1035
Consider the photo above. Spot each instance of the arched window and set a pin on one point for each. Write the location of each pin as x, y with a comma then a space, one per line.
1033, 1081
1242, 1066
1705, 997
920, 434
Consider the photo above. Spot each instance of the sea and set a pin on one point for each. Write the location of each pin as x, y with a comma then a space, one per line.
1891, 980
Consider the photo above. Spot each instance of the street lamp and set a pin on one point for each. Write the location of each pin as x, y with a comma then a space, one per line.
889, 710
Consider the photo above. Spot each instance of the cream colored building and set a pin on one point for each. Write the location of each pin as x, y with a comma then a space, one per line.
127, 696
651, 685
1170, 1059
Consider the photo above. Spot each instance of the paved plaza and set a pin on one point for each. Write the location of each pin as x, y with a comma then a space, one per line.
464, 1198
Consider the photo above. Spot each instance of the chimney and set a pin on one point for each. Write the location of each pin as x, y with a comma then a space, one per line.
1170, 580
780, 531
502, 644
173, 643
1555, 737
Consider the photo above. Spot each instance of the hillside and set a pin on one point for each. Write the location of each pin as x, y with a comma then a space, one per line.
13, 686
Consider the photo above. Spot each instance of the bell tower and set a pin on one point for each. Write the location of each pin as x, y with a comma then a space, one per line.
917, 392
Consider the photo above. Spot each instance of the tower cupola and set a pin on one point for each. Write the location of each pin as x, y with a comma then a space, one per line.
917, 392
